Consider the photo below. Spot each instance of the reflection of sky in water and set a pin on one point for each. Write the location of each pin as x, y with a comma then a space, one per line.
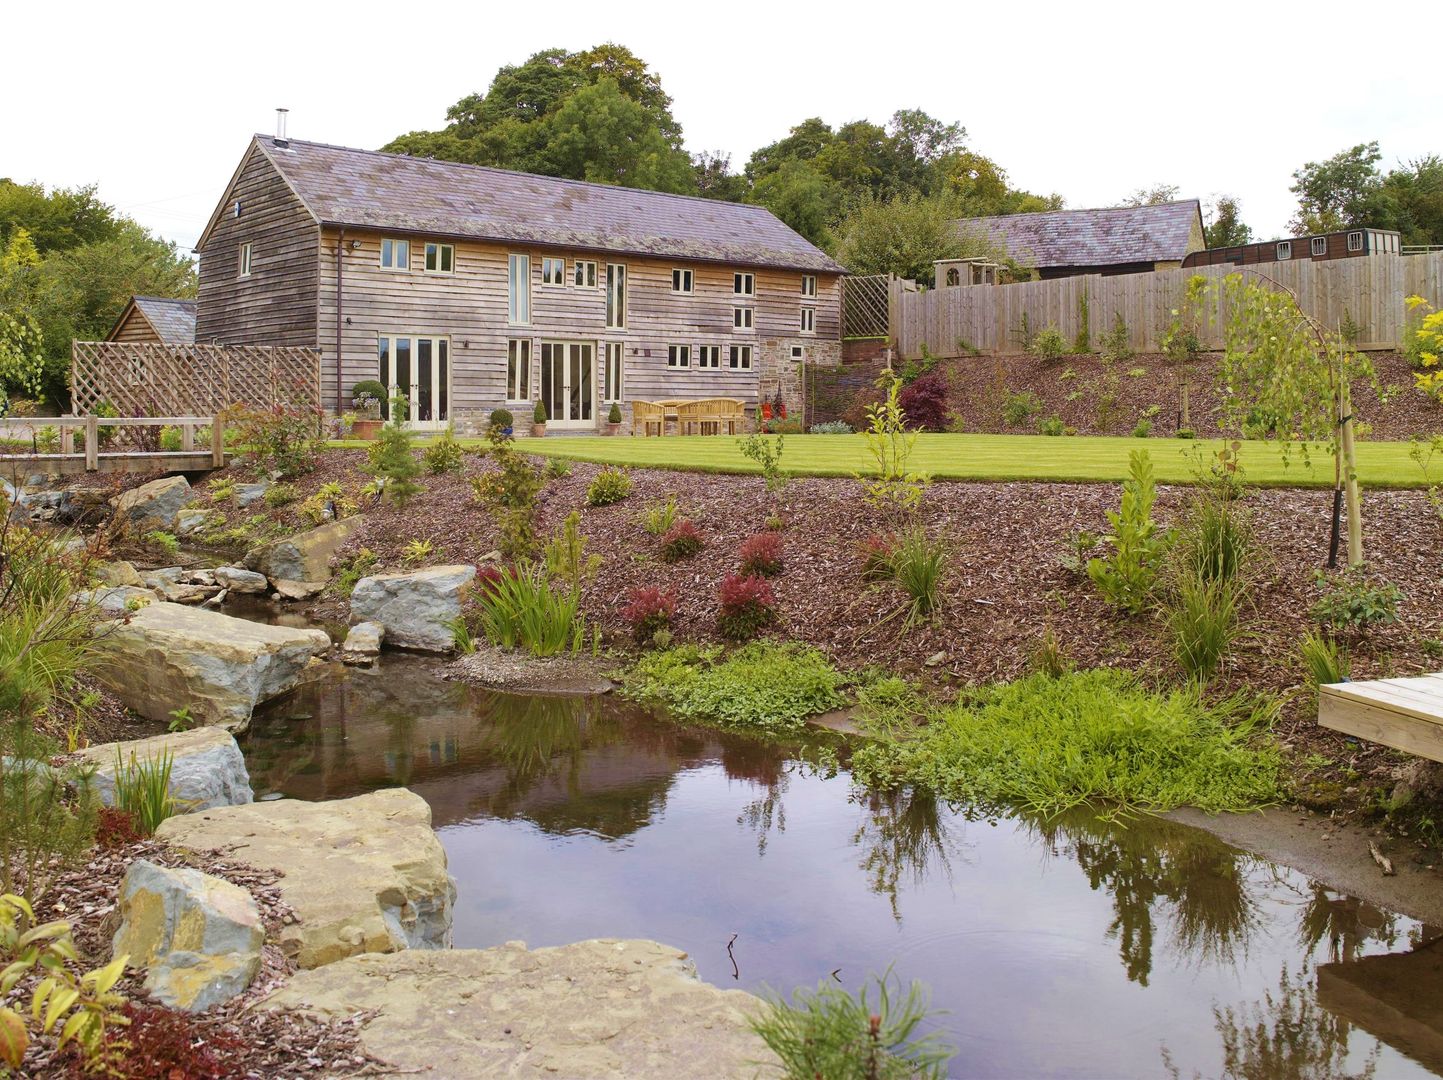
1076, 951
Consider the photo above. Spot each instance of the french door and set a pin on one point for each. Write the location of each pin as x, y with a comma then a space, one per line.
418, 369
568, 383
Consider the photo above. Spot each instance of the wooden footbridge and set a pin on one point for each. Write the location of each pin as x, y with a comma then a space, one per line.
93, 458
1406, 714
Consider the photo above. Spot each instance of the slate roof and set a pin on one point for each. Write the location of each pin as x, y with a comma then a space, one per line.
1121, 234
369, 189
174, 320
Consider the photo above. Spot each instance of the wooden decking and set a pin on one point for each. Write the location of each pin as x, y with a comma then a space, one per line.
1406, 714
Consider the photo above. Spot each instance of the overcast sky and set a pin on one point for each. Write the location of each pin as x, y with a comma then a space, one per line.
154, 102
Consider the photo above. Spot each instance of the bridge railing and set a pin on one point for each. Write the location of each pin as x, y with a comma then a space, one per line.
88, 428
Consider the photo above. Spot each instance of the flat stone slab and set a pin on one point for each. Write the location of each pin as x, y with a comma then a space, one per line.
207, 768
416, 607
365, 874
303, 557
171, 656
605, 1010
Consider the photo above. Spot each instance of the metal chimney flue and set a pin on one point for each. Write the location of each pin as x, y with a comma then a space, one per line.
281, 139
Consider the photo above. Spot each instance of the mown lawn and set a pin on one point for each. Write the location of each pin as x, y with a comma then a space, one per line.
989, 457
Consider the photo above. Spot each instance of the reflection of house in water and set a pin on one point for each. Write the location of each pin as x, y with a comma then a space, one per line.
1396, 997
567, 764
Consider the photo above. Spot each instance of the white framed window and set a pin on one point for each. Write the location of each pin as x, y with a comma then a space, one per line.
395, 254
553, 271
518, 370
742, 318
744, 284
518, 289
678, 356
682, 281
611, 371
245, 260
1285, 250
584, 276
739, 357
1355, 241
439, 258
616, 296
809, 284
799, 353
1319, 245
809, 320
708, 356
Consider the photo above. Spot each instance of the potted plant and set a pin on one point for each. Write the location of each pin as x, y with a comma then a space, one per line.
538, 420
613, 420
366, 398
502, 420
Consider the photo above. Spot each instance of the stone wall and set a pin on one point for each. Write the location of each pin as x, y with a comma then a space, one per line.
778, 369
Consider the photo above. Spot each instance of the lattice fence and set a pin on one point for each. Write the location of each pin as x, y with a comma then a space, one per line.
145, 379
864, 306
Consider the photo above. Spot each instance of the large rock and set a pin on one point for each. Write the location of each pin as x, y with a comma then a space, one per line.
416, 608
303, 557
364, 874
116, 600
596, 1009
363, 643
119, 573
153, 505
240, 581
207, 767
197, 937
167, 656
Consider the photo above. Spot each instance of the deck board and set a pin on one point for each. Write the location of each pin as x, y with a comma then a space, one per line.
1406, 714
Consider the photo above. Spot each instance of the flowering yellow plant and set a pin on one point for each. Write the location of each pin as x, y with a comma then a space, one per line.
1426, 346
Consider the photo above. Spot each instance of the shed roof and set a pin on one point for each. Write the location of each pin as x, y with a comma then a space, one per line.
1105, 237
370, 189
173, 320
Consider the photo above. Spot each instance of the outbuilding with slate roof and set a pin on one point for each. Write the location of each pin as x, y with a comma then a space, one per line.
465, 288
1115, 240
160, 320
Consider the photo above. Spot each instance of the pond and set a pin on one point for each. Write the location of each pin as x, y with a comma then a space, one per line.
1070, 948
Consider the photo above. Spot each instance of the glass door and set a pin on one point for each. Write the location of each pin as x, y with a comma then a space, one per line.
568, 383
419, 370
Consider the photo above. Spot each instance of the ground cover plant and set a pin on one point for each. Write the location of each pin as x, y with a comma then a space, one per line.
1048, 744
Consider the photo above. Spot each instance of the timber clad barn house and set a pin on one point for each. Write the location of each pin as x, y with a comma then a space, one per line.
468, 288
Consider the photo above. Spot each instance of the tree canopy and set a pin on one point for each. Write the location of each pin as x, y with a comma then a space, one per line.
1224, 226
1350, 191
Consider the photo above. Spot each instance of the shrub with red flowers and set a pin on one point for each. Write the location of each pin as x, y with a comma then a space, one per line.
748, 606
924, 402
877, 555
650, 609
762, 554
681, 541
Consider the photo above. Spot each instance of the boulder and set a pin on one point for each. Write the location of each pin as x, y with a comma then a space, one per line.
198, 937
303, 557
117, 600
153, 505
250, 494
207, 767
169, 656
296, 590
166, 575
189, 522
599, 1009
119, 573
364, 874
416, 608
238, 580
183, 593
85, 505
363, 643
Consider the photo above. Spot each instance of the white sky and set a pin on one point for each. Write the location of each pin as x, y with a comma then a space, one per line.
154, 102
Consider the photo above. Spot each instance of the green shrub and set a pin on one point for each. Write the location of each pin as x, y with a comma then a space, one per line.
610, 485
283, 440
1355, 601
765, 686
366, 393
834, 1034
1048, 657
1202, 620
1051, 425
1048, 744
1018, 408
329, 502
509, 494
1048, 344
831, 427
165, 541
538, 414
391, 461
1215, 542
47, 816
279, 495
444, 453
519, 609
1126, 577
767, 453
351, 570
658, 518
170, 439
1324, 659
613, 415
565, 554
556, 469
1142, 429
501, 419
1116, 344
142, 790
1185, 433
917, 564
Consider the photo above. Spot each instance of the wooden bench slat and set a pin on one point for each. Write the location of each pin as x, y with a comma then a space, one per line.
1381, 725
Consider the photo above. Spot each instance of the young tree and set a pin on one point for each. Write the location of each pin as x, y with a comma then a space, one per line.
1415, 190
1279, 361
1344, 191
905, 235
1225, 226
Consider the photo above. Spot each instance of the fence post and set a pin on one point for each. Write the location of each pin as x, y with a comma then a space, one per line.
92, 443
217, 441
187, 437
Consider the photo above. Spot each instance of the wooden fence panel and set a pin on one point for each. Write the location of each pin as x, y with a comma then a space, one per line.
148, 379
951, 321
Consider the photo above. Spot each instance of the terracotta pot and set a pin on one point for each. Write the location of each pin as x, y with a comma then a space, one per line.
613, 429
366, 429
538, 430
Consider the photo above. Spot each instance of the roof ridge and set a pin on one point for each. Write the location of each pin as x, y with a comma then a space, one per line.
271, 141
1086, 210
166, 299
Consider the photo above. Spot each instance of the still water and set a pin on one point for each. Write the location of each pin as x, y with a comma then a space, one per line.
1070, 948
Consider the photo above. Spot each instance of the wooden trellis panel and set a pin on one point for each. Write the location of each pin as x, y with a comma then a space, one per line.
864, 306
147, 379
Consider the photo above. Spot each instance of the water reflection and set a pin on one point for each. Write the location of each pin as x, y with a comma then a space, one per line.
1073, 947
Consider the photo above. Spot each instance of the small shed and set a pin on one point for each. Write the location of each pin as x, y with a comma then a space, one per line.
160, 320
974, 271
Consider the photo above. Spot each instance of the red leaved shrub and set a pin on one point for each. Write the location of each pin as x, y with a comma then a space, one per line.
748, 606
487, 578
877, 555
682, 541
762, 554
924, 402
115, 828
168, 1044
650, 609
